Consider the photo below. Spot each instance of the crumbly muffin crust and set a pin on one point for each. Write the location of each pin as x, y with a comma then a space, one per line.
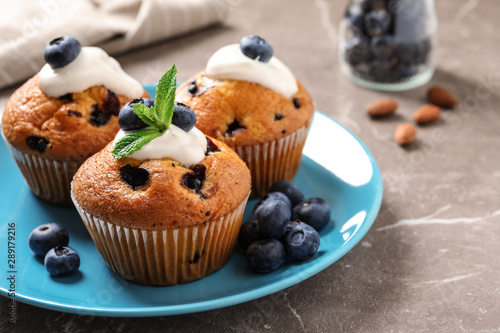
69, 128
164, 201
242, 113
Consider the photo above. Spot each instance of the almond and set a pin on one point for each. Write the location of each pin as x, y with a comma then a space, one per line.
427, 114
441, 97
405, 134
382, 108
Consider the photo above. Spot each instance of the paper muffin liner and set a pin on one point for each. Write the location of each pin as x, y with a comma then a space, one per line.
273, 161
47, 179
169, 256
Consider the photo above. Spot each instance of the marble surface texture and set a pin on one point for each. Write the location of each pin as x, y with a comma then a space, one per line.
431, 261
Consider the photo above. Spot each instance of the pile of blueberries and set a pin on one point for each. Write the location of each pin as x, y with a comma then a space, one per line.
50, 241
374, 52
284, 227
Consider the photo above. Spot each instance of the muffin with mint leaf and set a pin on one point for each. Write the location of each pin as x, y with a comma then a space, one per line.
251, 101
64, 114
163, 203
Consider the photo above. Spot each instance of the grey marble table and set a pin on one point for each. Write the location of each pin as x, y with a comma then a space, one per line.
431, 261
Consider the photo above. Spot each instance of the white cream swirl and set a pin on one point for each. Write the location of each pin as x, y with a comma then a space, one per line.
187, 148
92, 67
230, 63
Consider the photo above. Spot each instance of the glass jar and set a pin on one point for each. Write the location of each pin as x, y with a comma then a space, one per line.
388, 44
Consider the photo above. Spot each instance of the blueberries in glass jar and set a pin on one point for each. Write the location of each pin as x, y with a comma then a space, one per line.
128, 120
256, 47
265, 255
377, 23
355, 20
382, 47
357, 51
424, 49
61, 51
183, 117
61, 261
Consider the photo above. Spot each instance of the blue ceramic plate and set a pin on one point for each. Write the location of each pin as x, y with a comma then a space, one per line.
336, 166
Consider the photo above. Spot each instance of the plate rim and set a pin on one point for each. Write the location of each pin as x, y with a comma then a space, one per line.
237, 298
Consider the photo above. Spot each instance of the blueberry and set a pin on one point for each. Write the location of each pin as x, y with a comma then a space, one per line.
184, 117
256, 47
61, 261
61, 51
424, 49
265, 255
406, 52
382, 47
377, 22
249, 233
355, 21
301, 242
313, 211
356, 51
272, 196
127, 118
378, 71
136, 177
289, 189
47, 236
273, 218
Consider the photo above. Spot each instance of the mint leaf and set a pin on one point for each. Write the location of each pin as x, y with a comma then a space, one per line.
134, 141
165, 96
147, 115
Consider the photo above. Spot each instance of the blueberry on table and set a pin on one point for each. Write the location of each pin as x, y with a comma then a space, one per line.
289, 189
256, 47
301, 242
272, 196
61, 261
313, 211
128, 120
265, 255
47, 236
61, 51
183, 117
273, 218
249, 233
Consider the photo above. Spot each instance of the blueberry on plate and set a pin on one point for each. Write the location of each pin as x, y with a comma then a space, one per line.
271, 196
61, 51
128, 120
313, 211
265, 255
256, 47
249, 233
47, 236
301, 242
183, 117
273, 218
61, 261
289, 189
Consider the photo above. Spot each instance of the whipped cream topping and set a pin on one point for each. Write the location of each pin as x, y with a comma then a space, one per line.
187, 148
92, 67
230, 63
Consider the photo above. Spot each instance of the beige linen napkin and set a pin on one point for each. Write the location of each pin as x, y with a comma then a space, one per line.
27, 26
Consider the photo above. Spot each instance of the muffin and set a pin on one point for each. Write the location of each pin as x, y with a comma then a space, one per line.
168, 213
251, 101
64, 114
